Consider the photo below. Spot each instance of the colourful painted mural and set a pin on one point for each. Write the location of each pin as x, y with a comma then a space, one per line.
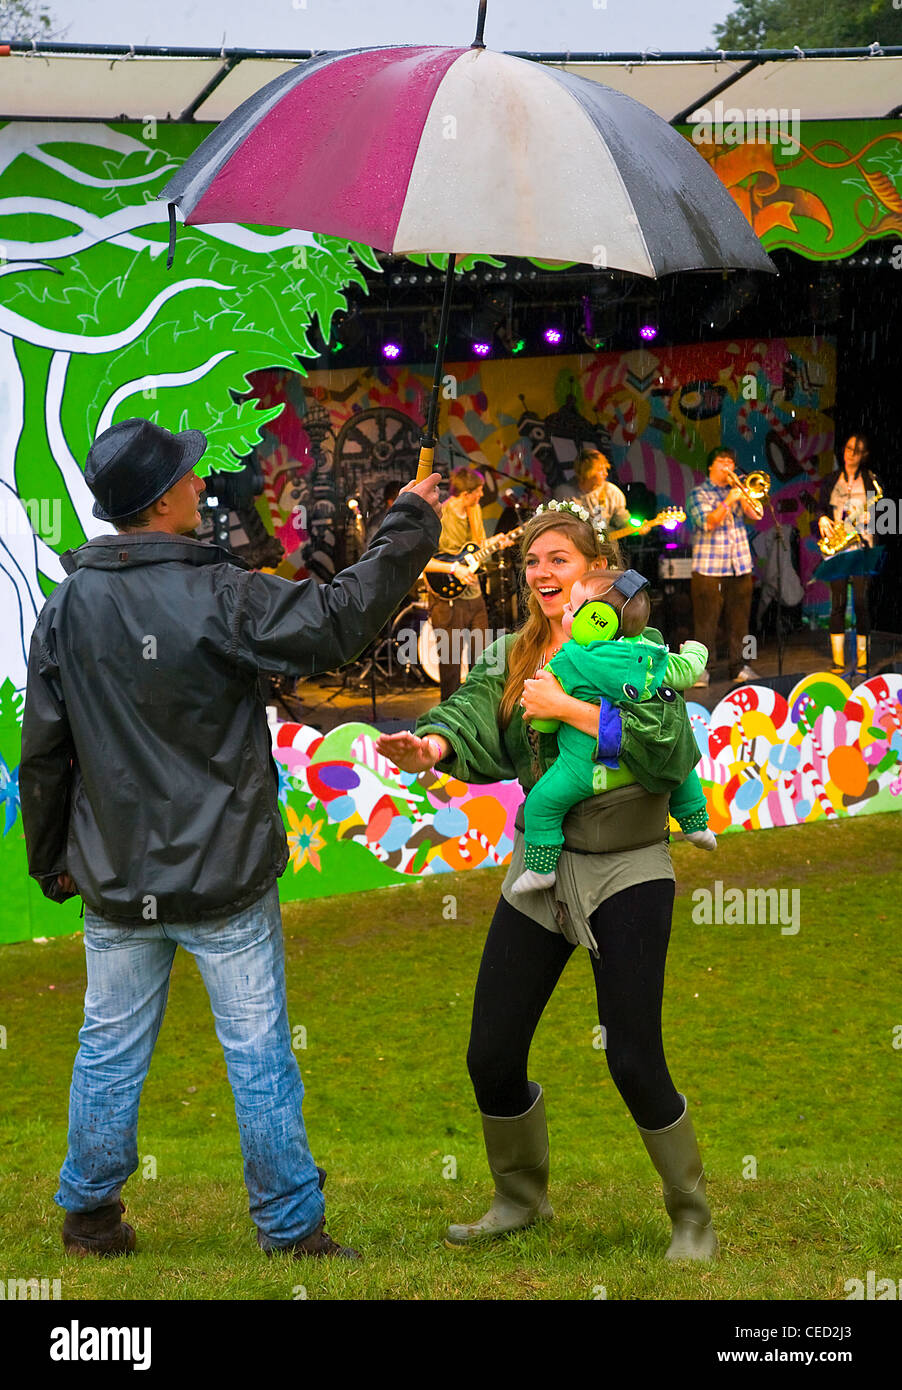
824, 752
799, 197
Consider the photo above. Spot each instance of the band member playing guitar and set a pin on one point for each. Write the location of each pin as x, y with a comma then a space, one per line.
604, 502
454, 620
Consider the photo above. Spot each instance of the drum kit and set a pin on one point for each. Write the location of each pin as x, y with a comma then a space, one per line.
412, 641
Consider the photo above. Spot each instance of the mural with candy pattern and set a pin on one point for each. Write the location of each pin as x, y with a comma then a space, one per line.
824, 752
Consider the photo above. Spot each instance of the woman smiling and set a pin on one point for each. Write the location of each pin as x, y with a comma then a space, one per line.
613, 895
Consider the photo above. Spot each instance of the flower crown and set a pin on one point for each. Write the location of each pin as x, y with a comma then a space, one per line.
576, 510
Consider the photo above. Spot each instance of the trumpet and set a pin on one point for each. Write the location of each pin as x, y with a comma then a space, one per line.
753, 486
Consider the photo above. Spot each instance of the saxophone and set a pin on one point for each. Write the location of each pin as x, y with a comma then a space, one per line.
842, 535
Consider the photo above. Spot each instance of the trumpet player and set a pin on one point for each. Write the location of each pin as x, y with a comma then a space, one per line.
844, 502
722, 559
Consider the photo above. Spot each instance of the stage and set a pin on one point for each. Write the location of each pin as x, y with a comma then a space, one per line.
327, 701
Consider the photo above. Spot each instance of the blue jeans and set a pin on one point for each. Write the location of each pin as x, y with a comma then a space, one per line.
242, 961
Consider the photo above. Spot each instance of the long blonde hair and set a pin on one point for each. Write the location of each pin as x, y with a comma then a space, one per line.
535, 634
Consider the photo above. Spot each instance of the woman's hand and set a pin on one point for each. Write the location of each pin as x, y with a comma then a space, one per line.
409, 753
543, 698
67, 883
824, 525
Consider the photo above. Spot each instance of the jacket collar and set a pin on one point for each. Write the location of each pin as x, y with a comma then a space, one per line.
152, 547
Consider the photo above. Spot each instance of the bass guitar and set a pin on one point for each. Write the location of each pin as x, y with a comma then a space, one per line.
671, 516
448, 586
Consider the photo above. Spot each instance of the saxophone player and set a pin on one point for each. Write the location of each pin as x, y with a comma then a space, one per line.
844, 499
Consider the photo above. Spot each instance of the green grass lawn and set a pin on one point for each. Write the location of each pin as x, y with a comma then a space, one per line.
783, 1044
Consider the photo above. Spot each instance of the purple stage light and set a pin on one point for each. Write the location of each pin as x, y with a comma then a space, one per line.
391, 350
671, 545
670, 525
647, 332
553, 335
482, 349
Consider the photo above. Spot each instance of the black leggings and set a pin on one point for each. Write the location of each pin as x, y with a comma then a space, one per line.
521, 964
838, 590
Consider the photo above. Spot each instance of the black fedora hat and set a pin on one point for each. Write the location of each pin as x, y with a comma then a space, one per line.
135, 462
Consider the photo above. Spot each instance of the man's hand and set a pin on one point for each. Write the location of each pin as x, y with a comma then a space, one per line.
462, 573
428, 490
734, 495
66, 882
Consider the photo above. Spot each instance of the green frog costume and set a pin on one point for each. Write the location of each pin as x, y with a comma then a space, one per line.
611, 841
619, 672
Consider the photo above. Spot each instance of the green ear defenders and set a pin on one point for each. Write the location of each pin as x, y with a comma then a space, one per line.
597, 621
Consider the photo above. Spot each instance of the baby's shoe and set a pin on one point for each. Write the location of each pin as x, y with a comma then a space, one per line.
530, 881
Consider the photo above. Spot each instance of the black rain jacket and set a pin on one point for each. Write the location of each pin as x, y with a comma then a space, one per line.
147, 772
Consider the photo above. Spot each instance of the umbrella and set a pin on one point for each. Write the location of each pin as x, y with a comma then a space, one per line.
465, 150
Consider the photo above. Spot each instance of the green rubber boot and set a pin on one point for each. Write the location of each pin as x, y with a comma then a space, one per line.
674, 1152
517, 1150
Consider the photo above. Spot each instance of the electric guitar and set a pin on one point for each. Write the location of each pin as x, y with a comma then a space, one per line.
671, 516
448, 586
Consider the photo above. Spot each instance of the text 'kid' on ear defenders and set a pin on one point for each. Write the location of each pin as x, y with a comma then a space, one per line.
597, 621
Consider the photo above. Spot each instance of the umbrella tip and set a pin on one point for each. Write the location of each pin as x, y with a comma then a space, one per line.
480, 26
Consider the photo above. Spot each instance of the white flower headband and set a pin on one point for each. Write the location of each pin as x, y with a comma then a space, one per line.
576, 510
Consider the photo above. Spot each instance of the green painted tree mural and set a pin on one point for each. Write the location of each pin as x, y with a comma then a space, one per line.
94, 329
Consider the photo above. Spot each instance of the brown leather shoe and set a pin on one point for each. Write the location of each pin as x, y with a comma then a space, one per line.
319, 1244
99, 1232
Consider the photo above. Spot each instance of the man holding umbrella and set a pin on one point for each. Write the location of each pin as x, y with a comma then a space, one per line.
148, 787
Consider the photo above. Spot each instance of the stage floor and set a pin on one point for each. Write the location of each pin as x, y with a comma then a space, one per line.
348, 697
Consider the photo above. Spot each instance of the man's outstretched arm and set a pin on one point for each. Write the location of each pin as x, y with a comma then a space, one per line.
302, 628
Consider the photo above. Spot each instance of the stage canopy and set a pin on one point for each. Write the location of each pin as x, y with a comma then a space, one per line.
114, 83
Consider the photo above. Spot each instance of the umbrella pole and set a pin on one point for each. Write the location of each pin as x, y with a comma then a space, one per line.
427, 442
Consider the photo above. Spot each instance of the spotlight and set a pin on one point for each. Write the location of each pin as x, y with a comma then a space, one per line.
391, 350
519, 345
648, 332
670, 525
482, 349
553, 336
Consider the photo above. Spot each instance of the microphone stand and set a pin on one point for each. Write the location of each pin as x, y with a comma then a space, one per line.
778, 528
